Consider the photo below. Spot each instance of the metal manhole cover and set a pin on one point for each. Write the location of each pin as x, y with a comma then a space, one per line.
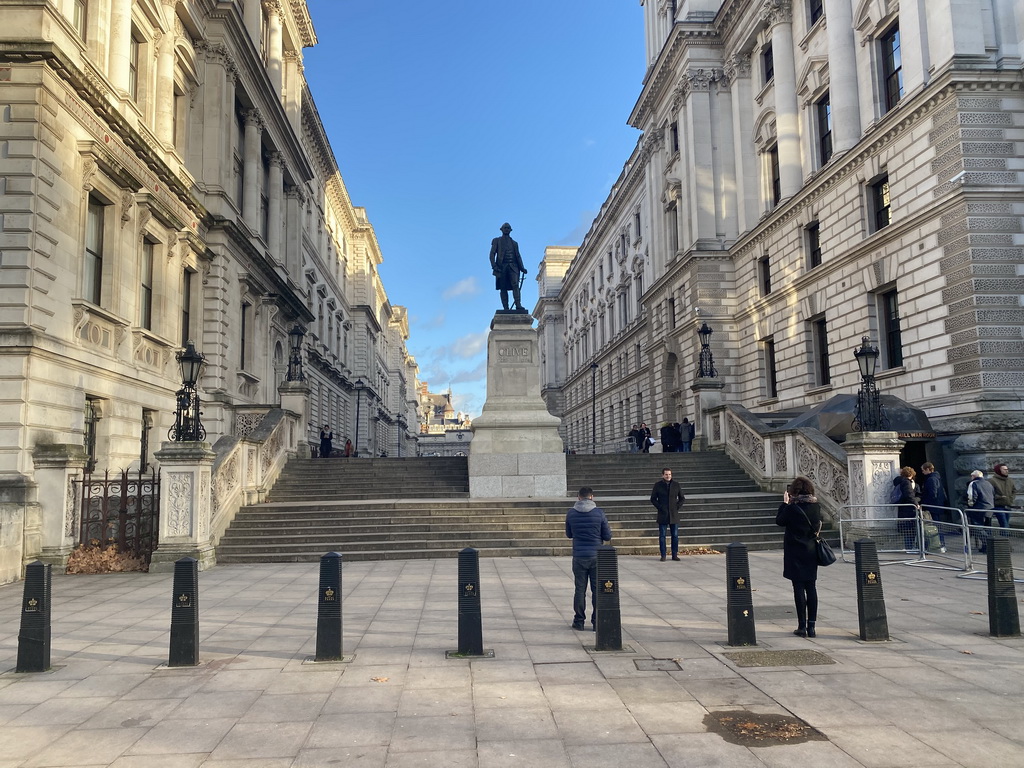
778, 658
657, 665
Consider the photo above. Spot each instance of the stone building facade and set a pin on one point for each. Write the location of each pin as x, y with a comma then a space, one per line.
165, 177
811, 172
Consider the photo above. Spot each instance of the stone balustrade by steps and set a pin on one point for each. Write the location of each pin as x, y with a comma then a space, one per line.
376, 509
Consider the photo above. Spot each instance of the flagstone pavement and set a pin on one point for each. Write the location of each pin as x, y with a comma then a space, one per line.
941, 692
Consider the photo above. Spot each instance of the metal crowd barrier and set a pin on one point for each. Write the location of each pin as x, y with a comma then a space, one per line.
946, 541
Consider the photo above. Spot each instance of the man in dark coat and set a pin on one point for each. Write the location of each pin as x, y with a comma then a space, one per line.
667, 497
506, 264
934, 499
588, 527
687, 433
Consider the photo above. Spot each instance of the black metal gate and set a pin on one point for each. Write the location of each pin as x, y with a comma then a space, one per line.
123, 509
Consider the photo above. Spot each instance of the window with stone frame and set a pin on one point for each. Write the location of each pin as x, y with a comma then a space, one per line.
823, 115
774, 175
187, 281
812, 241
146, 285
891, 62
92, 264
764, 274
767, 64
879, 203
134, 62
889, 329
243, 335
771, 378
815, 10
93, 411
80, 18
820, 367
673, 136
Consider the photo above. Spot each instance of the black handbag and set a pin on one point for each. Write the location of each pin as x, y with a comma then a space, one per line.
822, 549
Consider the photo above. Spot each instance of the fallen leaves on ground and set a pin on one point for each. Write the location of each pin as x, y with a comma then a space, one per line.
757, 730
94, 559
378, 679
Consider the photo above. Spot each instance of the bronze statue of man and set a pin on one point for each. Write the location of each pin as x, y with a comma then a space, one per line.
506, 264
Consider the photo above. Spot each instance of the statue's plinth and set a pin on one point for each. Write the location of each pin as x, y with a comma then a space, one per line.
516, 449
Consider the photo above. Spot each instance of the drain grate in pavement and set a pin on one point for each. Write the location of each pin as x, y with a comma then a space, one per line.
657, 665
752, 729
778, 658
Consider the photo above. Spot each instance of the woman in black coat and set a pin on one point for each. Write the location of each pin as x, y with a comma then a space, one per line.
800, 514
909, 504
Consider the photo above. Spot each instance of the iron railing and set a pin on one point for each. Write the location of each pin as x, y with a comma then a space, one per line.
122, 508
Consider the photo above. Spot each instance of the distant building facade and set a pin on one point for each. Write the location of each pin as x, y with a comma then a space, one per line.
443, 430
167, 178
808, 173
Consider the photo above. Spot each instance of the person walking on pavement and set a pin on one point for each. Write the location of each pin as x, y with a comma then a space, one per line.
908, 502
800, 514
1004, 495
588, 527
980, 502
933, 496
667, 497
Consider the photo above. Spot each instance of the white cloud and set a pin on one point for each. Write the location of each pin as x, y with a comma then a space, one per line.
466, 287
463, 348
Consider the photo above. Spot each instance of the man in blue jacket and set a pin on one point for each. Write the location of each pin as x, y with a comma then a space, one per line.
588, 527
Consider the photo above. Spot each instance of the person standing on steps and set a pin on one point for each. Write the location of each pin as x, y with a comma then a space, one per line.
326, 442
588, 527
800, 514
667, 497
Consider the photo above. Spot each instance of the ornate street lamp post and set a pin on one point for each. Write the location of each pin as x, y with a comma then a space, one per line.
869, 416
707, 359
187, 426
593, 408
359, 393
295, 337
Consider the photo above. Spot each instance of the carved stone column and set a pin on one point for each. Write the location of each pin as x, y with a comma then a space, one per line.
842, 75
275, 56
873, 460
185, 506
275, 221
120, 44
165, 83
778, 14
251, 156
55, 467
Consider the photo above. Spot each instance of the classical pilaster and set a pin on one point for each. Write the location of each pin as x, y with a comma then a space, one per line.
696, 85
737, 70
275, 193
252, 14
251, 158
293, 248
217, 97
778, 15
842, 75
293, 88
275, 39
165, 87
120, 43
726, 184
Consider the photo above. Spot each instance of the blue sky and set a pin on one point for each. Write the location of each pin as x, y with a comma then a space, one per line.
448, 119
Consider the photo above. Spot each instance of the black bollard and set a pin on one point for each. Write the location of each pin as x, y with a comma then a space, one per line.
185, 614
471, 638
870, 600
328, 615
34, 637
608, 621
740, 602
1003, 618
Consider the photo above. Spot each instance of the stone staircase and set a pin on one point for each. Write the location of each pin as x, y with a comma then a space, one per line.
378, 509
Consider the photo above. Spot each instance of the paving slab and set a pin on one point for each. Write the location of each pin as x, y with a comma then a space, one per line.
941, 693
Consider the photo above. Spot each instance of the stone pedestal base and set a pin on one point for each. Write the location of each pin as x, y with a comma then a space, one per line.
185, 506
516, 450
707, 395
873, 460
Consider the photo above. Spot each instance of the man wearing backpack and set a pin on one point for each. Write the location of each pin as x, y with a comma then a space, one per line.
980, 501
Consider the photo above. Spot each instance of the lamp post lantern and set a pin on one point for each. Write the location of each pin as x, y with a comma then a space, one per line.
295, 337
359, 392
869, 416
593, 408
707, 359
187, 425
